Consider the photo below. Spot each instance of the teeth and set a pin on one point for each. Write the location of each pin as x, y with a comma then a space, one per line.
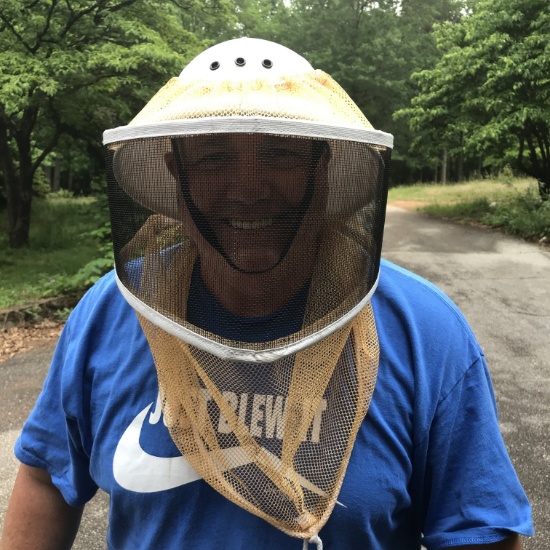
256, 224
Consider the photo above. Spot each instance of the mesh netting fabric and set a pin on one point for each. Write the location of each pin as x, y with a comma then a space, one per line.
275, 439
322, 230
313, 96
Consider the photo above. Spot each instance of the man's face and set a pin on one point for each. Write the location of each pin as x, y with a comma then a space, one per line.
251, 189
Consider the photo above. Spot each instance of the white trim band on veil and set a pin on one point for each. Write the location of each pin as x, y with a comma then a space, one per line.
230, 353
243, 124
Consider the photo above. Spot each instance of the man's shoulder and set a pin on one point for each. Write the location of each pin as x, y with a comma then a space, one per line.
424, 338
102, 300
405, 289
100, 325
393, 276
406, 299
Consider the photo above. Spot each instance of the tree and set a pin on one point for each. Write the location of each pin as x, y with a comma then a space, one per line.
75, 67
489, 94
265, 19
371, 48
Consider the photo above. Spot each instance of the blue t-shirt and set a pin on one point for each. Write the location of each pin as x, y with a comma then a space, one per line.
428, 466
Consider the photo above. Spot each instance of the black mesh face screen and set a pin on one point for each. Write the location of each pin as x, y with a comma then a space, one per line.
272, 181
248, 239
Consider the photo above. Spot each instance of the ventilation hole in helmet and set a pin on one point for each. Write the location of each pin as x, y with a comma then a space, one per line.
240, 62
214, 65
267, 63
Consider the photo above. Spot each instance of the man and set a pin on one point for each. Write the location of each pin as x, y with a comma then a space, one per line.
247, 203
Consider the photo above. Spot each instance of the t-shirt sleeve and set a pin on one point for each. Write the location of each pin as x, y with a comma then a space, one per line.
471, 493
54, 436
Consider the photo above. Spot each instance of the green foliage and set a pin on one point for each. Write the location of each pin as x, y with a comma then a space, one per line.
489, 92
371, 49
525, 215
89, 273
99, 233
85, 64
507, 203
471, 211
491, 189
61, 314
267, 19
48, 233
61, 243
69, 70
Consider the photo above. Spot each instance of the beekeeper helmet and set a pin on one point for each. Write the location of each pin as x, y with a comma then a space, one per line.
247, 203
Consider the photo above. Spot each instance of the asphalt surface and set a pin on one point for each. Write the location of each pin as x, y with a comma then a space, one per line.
503, 287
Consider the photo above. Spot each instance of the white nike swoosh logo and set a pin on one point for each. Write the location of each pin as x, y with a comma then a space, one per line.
138, 471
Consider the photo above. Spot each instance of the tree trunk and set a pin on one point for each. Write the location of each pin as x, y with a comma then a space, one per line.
19, 224
444, 167
70, 179
460, 161
19, 193
48, 172
57, 175
11, 183
19, 209
460, 167
19, 172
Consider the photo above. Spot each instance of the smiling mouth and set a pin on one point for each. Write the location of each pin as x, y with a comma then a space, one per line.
256, 224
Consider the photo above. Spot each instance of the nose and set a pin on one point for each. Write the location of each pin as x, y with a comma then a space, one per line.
249, 182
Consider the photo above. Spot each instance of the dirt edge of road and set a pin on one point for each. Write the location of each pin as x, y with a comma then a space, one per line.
19, 339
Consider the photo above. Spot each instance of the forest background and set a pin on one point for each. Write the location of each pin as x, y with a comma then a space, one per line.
463, 85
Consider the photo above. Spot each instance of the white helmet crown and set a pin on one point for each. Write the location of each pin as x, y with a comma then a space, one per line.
245, 58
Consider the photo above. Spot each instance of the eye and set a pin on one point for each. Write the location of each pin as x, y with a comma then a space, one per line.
214, 157
282, 152
212, 161
283, 158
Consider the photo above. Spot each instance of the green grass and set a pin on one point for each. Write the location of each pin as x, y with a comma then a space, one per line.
509, 204
487, 189
59, 247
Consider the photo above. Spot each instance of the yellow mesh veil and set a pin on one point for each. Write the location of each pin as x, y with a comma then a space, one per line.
286, 461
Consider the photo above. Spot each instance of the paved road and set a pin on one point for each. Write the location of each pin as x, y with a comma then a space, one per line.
502, 286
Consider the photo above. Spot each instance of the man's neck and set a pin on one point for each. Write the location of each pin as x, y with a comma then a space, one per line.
252, 295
